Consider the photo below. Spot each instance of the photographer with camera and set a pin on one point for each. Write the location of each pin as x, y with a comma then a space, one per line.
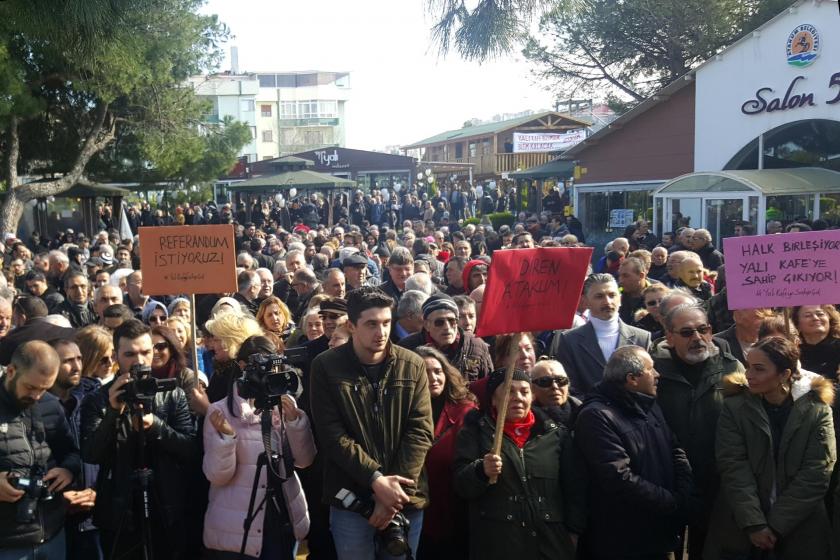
373, 418
38, 457
233, 443
133, 417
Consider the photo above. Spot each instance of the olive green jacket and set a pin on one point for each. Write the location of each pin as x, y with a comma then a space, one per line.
361, 431
786, 495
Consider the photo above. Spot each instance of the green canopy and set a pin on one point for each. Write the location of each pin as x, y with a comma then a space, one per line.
562, 169
302, 179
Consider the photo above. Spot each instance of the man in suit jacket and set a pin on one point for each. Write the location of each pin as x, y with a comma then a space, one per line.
584, 351
744, 333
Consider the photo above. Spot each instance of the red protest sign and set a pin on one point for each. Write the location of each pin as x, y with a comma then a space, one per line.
533, 289
188, 259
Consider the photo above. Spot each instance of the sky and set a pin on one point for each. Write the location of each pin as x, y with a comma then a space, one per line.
402, 91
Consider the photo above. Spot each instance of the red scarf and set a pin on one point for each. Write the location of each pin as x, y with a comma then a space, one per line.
520, 430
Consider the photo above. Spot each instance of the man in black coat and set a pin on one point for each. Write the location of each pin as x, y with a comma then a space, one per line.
639, 478
110, 439
35, 443
29, 316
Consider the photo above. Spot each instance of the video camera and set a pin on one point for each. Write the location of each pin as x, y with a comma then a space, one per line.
394, 537
143, 387
35, 490
267, 377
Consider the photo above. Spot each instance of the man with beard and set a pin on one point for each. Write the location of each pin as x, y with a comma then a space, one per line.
77, 307
691, 368
36, 442
71, 388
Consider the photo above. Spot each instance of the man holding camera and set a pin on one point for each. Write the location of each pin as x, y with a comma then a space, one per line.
38, 458
373, 418
134, 406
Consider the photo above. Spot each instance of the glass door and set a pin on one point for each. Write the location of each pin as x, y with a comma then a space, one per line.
683, 212
722, 215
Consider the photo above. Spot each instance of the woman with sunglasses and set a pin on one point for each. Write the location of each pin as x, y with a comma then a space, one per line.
775, 451
169, 361
551, 391
96, 344
535, 508
649, 318
154, 313
443, 523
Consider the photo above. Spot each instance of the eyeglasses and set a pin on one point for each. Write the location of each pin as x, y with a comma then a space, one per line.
443, 321
653, 302
161, 346
548, 380
689, 332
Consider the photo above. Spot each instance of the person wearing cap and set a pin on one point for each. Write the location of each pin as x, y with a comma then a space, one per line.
468, 353
474, 275
640, 482
536, 507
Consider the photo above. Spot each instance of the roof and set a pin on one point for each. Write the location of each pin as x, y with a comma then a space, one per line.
300, 179
797, 180
293, 159
665, 93
554, 168
92, 191
490, 128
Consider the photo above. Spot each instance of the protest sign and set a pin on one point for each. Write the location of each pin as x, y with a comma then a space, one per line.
188, 259
533, 289
783, 270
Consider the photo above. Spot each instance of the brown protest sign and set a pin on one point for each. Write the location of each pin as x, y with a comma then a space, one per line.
188, 259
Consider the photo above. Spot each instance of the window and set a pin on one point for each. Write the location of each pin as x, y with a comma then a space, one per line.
253, 132
265, 110
247, 105
342, 81
288, 109
267, 136
309, 109
304, 80
267, 80
286, 80
459, 150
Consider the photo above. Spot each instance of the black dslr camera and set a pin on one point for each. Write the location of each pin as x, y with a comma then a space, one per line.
143, 387
266, 378
394, 537
35, 491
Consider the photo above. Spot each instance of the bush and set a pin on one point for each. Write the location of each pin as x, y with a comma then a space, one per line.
499, 219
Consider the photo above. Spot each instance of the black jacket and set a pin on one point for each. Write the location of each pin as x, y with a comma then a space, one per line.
78, 315
33, 329
107, 441
37, 435
640, 480
470, 355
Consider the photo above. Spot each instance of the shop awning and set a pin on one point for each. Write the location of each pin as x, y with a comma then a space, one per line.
559, 168
770, 182
302, 179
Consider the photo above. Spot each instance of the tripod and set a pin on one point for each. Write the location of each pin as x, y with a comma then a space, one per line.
274, 481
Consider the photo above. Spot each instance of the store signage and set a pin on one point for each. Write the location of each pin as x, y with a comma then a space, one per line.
621, 217
546, 141
330, 159
803, 45
792, 99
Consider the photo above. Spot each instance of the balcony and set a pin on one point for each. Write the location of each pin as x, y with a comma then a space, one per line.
493, 164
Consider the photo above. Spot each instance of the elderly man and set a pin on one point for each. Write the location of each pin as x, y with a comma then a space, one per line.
658, 264
105, 296
701, 243
741, 336
283, 287
134, 298
249, 286
5, 317
632, 277
59, 265
469, 354
334, 283
77, 307
355, 271
467, 315
639, 478
691, 367
409, 315
584, 350
691, 277
452, 273
266, 283
642, 237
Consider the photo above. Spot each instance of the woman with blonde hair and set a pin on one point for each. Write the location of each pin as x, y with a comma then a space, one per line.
275, 319
96, 344
229, 330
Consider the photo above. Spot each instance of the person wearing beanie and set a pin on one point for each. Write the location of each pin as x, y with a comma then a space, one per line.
468, 353
474, 275
502, 524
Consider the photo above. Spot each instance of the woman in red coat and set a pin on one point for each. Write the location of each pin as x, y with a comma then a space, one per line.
445, 520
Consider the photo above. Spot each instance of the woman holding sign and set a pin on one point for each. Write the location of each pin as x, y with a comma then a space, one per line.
535, 508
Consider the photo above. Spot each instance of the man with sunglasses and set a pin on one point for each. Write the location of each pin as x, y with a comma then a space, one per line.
468, 353
691, 367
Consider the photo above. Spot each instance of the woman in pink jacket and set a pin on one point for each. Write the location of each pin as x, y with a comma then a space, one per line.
232, 445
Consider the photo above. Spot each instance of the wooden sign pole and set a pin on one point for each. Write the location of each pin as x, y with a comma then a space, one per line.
194, 334
501, 412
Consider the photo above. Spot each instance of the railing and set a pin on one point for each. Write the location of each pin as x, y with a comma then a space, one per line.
496, 164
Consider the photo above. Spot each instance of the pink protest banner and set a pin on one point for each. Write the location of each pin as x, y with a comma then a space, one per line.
533, 289
783, 270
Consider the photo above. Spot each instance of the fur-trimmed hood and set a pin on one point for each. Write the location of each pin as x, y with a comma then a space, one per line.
808, 382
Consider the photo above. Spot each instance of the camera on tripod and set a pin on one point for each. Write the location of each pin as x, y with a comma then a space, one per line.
267, 377
143, 387
35, 490
394, 537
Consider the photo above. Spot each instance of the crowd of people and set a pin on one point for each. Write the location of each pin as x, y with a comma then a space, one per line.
660, 425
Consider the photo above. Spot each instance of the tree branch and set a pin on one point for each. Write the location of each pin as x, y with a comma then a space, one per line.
13, 152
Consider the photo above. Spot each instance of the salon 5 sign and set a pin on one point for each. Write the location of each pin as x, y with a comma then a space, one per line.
793, 98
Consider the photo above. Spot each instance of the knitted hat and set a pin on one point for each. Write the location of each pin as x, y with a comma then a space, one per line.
497, 378
438, 302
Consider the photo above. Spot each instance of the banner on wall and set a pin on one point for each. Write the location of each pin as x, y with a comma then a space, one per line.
546, 141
